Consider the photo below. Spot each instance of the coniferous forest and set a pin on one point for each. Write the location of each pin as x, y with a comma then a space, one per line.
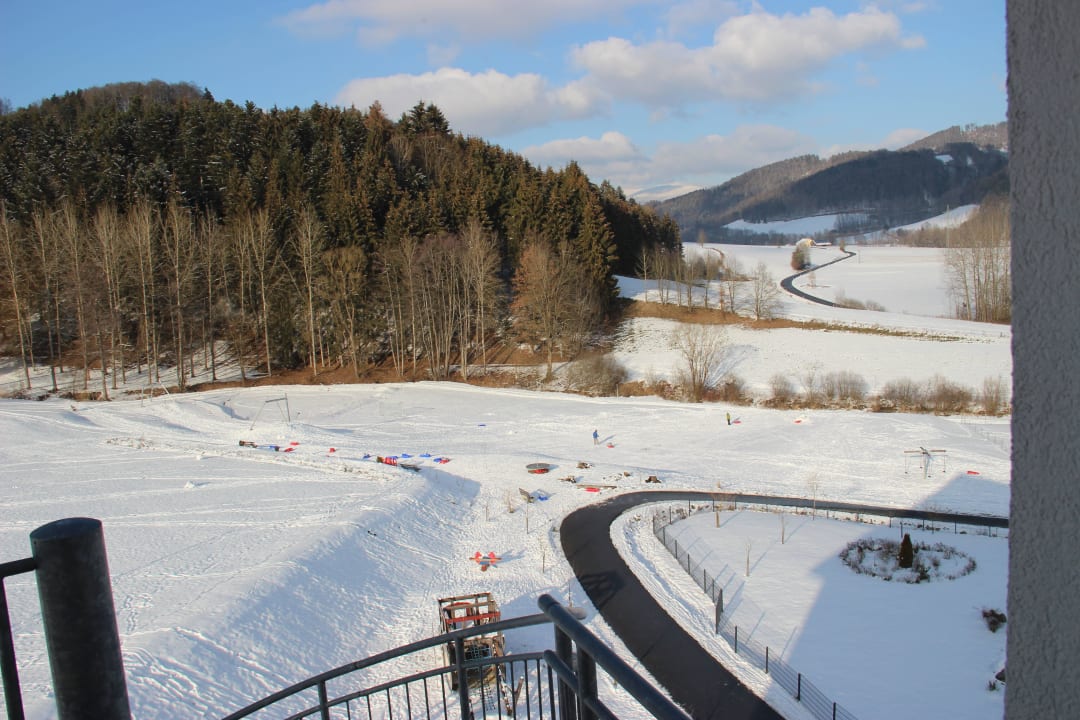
149, 225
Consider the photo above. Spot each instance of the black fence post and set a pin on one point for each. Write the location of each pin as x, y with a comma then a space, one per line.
8, 667
586, 672
564, 650
798, 692
766, 659
79, 618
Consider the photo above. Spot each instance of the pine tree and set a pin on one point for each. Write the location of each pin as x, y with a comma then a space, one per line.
907, 552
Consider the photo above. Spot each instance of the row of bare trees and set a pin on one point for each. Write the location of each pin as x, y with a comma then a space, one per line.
165, 287
978, 260
710, 280
112, 291
444, 299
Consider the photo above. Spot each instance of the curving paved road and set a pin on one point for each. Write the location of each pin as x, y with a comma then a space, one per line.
786, 283
695, 679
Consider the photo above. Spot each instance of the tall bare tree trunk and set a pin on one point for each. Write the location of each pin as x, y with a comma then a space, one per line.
8, 247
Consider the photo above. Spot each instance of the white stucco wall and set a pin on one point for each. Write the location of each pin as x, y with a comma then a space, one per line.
1043, 670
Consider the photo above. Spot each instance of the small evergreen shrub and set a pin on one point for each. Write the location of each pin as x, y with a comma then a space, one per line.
907, 553
994, 619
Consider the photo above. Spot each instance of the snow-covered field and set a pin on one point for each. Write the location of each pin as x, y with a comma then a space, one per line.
237, 571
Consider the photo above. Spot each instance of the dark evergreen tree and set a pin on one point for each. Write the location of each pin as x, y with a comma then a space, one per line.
907, 552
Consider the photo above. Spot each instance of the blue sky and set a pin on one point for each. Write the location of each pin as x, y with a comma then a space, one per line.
644, 94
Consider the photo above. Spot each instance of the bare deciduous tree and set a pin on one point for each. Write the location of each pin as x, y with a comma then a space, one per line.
344, 291
139, 233
703, 350
480, 264
178, 242
731, 288
45, 243
977, 265
307, 241
764, 293
553, 303
10, 252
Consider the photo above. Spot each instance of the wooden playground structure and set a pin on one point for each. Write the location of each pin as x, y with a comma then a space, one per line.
465, 611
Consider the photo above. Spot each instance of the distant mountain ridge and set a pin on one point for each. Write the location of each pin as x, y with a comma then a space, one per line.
871, 190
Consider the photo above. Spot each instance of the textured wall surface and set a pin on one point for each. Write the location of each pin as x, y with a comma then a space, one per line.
1043, 671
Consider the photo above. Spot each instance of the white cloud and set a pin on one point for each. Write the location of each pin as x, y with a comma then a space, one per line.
611, 147
441, 55
895, 140
707, 160
485, 104
755, 57
692, 15
381, 21
902, 137
747, 147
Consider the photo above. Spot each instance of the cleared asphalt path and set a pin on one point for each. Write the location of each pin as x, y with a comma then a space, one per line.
693, 677
788, 282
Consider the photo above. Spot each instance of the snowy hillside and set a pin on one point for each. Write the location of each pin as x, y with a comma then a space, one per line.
238, 570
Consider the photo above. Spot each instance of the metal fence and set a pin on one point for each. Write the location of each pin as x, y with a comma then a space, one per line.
819, 704
713, 583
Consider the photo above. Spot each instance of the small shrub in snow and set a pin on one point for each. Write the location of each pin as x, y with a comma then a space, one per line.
903, 394
844, 386
731, 389
946, 396
597, 375
994, 619
782, 389
992, 397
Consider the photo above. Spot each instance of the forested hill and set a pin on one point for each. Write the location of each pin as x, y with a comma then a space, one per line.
138, 212
368, 177
874, 190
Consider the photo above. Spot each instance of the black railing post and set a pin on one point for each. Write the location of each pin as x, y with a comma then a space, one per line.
564, 650
8, 668
586, 672
462, 679
80, 620
324, 702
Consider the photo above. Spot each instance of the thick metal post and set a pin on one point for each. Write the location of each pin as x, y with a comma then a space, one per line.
586, 672
462, 679
80, 620
12, 694
564, 649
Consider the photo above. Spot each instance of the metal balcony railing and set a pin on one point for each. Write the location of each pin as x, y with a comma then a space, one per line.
70, 567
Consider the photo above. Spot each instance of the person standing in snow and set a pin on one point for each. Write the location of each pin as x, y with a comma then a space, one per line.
595, 437
729, 418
